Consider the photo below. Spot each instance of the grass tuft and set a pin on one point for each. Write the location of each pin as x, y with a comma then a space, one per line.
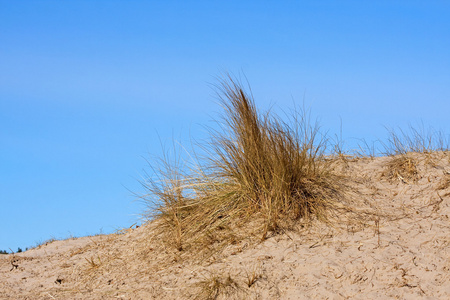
416, 139
402, 168
252, 277
261, 174
400, 145
216, 285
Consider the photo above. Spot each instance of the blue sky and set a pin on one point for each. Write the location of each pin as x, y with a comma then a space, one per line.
87, 88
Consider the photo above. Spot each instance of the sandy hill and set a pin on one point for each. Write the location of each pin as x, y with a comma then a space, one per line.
401, 250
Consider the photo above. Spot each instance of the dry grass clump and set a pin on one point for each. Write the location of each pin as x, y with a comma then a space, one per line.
401, 145
216, 285
260, 175
402, 168
416, 140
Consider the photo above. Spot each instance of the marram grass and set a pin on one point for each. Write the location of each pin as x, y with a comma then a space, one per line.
261, 175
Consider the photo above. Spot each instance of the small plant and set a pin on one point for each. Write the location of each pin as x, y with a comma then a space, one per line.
3, 252
45, 243
402, 168
252, 277
215, 285
418, 140
93, 264
366, 149
401, 144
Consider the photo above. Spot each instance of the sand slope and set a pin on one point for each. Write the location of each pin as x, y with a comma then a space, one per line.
402, 251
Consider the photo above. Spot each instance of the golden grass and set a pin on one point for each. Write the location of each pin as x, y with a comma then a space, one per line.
402, 168
253, 276
415, 139
400, 145
260, 175
216, 285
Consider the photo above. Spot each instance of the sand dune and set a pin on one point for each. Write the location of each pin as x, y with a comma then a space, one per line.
401, 250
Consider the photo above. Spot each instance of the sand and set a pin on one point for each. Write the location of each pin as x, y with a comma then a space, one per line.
400, 251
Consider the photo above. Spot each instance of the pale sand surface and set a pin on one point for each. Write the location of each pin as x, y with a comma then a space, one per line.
406, 257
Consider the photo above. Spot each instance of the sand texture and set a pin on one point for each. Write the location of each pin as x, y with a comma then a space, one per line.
401, 250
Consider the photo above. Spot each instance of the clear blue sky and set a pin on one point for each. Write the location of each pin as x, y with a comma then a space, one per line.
86, 87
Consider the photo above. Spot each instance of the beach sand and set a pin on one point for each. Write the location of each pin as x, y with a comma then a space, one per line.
400, 251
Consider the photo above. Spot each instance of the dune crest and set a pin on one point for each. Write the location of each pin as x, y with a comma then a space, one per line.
401, 250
